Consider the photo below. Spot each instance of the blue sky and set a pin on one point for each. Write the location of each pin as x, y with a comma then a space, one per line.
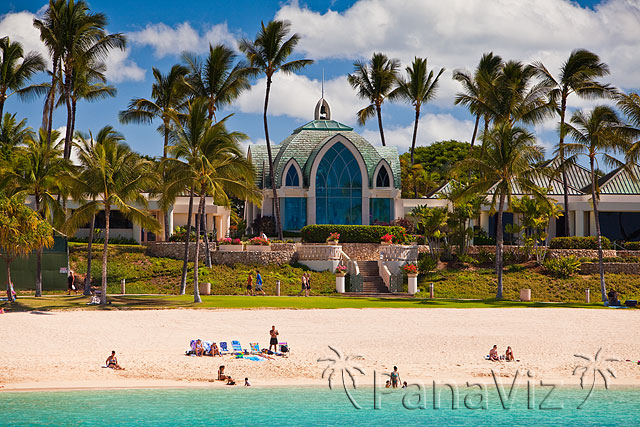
451, 34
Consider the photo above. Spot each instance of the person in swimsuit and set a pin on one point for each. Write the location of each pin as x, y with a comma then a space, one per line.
493, 354
246, 382
214, 350
199, 348
273, 342
221, 374
508, 356
112, 362
249, 283
395, 377
259, 283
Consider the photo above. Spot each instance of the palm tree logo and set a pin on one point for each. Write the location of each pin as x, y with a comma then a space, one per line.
343, 363
595, 366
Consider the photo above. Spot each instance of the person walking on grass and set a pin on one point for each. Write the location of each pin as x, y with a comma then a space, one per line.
308, 283
249, 284
304, 284
273, 341
259, 283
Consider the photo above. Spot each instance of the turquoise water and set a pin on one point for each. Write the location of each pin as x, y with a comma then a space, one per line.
312, 406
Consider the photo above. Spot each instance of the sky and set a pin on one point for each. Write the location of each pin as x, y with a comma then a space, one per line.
452, 34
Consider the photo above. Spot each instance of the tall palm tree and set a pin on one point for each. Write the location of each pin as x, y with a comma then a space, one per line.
16, 69
419, 88
40, 166
484, 76
578, 75
218, 79
117, 177
50, 28
168, 96
374, 81
597, 134
630, 107
211, 159
267, 54
13, 133
506, 163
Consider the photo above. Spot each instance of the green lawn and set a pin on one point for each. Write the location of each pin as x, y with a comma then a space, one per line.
118, 302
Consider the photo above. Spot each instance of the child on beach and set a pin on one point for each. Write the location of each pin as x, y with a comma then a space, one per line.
246, 382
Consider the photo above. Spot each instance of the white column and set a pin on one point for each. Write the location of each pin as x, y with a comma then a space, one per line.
579, 223
311, 209
219, 227
340, 284
484, 221
365, 210
413, 284
137, 231
170, 216
592, 224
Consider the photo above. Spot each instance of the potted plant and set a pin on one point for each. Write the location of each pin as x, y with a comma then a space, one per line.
333, 238
230, 245
341, 270
259, 244
411, 270
387, 239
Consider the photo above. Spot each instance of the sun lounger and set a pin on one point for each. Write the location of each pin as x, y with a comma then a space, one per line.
237, 348
223, 347
255, 348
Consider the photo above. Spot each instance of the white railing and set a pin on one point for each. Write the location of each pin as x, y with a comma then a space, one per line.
319, 252
399, 253
385, 274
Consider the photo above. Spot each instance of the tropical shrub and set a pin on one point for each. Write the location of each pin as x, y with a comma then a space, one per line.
426, 263
576, 242
481, 238
230, 241
467, 259
486, 257
117, 240
563, 267
387, 238
348, 233
259, 241
333, 237
632, 246
617, 259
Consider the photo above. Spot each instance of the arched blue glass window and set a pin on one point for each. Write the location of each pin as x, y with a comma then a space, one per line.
382, 180
338, 188
292, 179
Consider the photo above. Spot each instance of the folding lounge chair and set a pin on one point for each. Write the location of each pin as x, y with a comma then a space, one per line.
237, 348
255, 348
223, 347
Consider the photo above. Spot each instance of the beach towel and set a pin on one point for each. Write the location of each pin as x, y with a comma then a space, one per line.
207, 346
255, 348
254, 358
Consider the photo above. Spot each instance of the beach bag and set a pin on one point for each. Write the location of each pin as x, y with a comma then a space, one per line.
284, 348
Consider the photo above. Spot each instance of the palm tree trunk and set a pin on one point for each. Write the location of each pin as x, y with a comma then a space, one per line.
87, 277
2, 99
196, 260
603, 287
167, 230
207, 255
565, 184
67, 98
499, 246
185, 260
107, 211
475, 130
9, 287
415, 134
47, 114
38, 254
276, 202
379, 113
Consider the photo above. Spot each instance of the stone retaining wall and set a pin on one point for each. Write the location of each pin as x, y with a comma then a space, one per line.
253, 258
628, 253
580, 253
173, 250
610, 267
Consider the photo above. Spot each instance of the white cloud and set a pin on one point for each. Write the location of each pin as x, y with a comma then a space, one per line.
455, 33
431, 128
166, 40
120, 67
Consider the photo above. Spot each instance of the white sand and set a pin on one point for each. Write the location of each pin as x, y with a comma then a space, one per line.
67, 349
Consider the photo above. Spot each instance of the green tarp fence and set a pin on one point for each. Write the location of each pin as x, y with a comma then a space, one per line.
55, 264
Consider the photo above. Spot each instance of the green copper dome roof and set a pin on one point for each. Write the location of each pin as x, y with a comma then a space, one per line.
323, 125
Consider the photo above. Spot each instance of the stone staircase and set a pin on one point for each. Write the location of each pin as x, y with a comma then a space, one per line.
372, 283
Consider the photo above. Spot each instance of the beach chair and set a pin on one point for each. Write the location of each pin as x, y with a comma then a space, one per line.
223, 347
237, 348
255, 348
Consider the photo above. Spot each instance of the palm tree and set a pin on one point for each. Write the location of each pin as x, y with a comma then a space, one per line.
267, 54
577, 75
50, 28
375, 82
599, 133
12, 135
13, 75
211, 161
39, 167
418, 88
117, 177
168, 95
506, 163
218, 79
630, 107
473, 97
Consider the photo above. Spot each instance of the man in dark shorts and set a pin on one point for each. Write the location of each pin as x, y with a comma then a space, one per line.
71, 286
249, 284
274, 339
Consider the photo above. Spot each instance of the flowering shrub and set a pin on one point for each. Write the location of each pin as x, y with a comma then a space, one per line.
333, 236
341, 269
387, 238
259, 241
410, 269
230, 241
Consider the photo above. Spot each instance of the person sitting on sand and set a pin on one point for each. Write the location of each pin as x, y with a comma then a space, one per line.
395, 377
508, 355
112, 362
493, 354
246, 382
230, 381
199, 348
214, 350
221, 374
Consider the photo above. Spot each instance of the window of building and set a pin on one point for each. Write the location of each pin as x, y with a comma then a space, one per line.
380, 210
382, 180
294, 213
292, 178
116, 220
620, 225
338, 188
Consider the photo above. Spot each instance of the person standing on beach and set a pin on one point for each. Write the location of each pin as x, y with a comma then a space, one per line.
273, 342
259, 283
395, 377
249, 283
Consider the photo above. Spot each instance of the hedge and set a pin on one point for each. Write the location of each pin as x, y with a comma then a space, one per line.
578, 243
632, 246
349, 233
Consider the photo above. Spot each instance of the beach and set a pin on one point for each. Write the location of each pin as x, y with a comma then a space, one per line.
67, 349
